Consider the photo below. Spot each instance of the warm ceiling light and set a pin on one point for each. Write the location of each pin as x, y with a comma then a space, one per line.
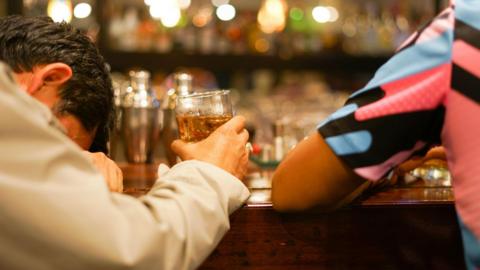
271, 16
60, 10
323, 14
82, 10
333, 14
226, 12
167, 11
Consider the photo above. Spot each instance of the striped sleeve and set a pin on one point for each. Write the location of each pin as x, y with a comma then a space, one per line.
400, 111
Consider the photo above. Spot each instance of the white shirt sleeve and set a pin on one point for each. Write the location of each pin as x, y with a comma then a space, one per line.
56, 211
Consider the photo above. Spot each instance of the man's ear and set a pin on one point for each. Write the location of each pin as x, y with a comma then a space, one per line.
55, 74
51, 75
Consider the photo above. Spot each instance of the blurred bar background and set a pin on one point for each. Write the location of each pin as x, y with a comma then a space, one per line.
287, 62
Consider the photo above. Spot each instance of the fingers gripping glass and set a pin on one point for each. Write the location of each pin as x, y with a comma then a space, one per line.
200, 114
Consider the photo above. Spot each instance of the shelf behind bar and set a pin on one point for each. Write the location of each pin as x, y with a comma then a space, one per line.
331, 62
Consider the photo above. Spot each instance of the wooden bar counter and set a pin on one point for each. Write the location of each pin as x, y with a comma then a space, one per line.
396, 228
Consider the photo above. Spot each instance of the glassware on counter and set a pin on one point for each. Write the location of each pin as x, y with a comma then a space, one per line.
142, 118
433, 173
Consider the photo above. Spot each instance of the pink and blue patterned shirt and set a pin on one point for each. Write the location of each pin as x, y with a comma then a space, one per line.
427, 93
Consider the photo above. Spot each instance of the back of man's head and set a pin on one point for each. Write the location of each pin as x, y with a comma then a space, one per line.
26, 42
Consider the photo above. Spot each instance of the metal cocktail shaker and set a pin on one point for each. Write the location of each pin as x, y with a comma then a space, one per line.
142, 119
182, 85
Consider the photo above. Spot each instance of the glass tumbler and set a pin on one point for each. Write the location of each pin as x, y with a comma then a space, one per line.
199, 114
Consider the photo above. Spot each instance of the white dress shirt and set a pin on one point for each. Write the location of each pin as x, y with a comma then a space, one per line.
56, 211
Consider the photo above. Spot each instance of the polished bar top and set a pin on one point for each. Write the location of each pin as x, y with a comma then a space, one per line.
138, 178
410, 227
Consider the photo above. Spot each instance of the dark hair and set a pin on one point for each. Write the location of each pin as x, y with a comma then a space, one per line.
26, 42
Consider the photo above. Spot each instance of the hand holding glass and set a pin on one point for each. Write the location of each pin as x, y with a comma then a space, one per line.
200, 114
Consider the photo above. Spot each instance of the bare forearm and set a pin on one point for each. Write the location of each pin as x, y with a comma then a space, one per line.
312, 175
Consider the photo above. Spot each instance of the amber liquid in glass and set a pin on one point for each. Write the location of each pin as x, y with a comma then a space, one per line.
194, 128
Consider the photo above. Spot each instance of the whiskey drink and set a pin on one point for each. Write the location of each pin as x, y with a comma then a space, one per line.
194, 128
199, 114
